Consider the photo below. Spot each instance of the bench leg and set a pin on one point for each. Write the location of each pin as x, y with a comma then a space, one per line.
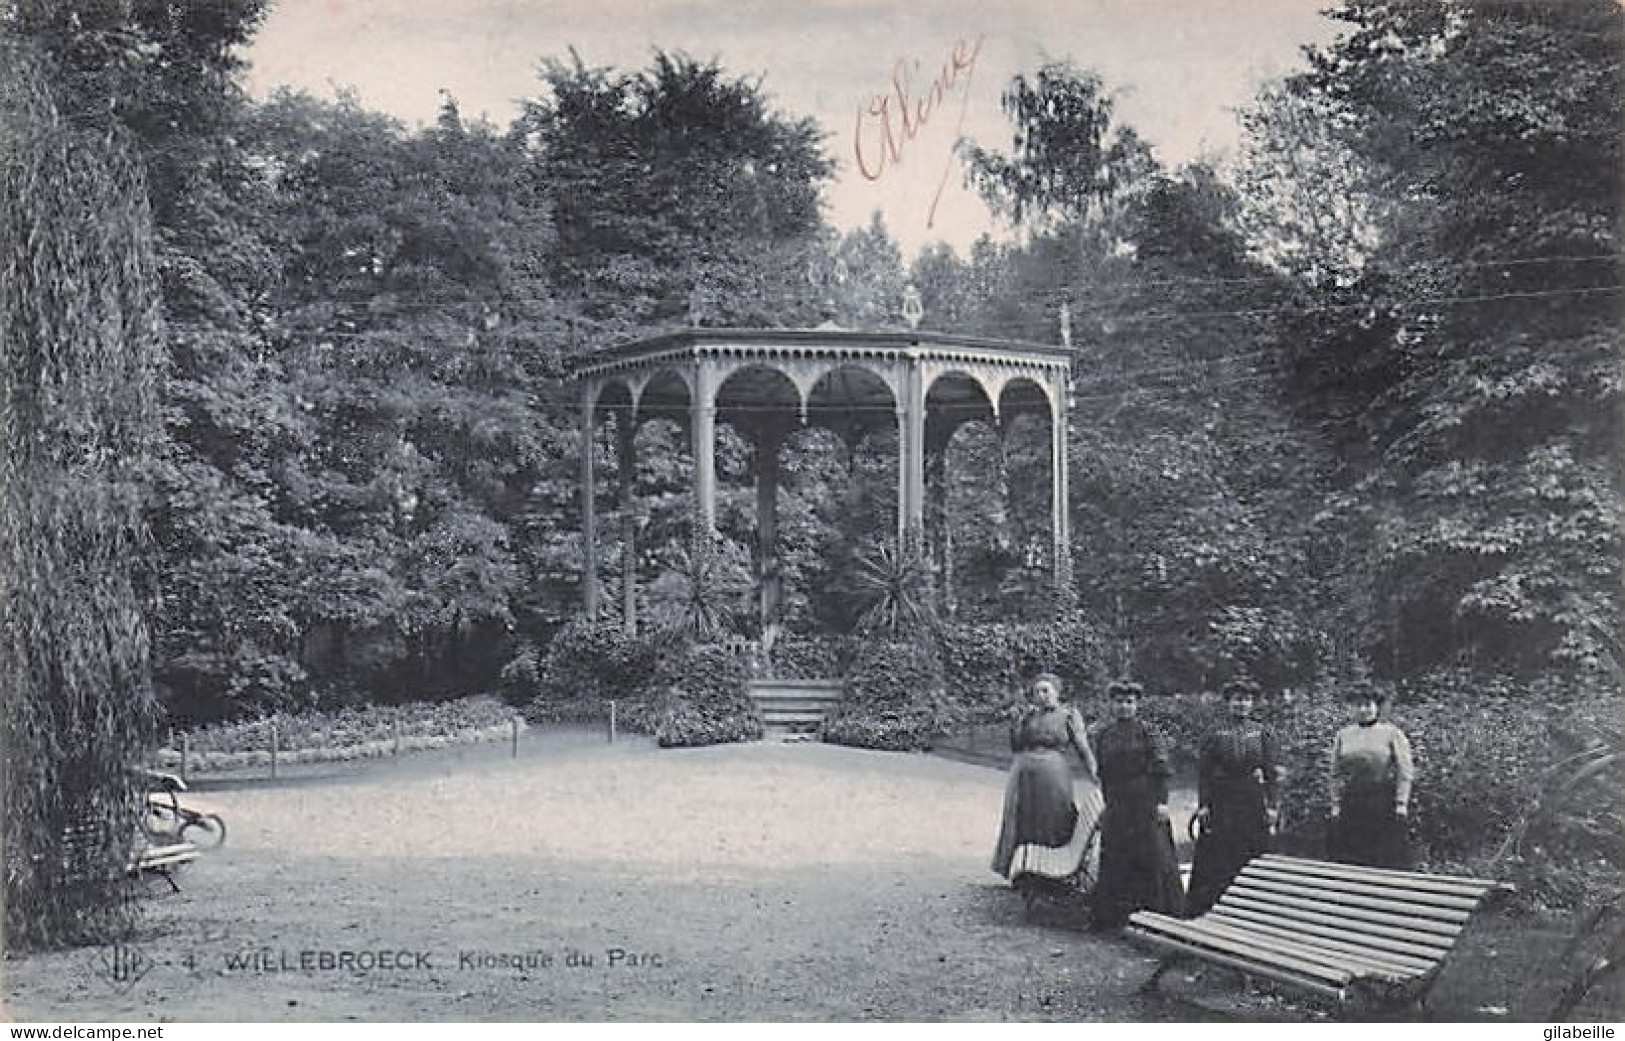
163, 871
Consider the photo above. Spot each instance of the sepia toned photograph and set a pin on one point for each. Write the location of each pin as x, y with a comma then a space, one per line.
670, 511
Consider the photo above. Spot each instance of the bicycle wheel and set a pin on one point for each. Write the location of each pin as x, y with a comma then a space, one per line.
207, 831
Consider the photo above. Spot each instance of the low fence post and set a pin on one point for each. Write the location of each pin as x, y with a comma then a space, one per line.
395, 727
513, 730
186, 755
275, 747
612, 721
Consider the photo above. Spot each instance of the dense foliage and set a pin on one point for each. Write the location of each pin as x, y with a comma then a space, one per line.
704, 700
895, 697
79, 359
988, 666
1462, 349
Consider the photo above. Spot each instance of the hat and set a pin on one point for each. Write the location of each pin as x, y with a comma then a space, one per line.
1242, 686
1124, 688
1364, 688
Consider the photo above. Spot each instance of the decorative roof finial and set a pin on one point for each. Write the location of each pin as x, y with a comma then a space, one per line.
913, 308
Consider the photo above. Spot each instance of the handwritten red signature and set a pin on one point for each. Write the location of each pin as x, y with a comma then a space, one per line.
888, 129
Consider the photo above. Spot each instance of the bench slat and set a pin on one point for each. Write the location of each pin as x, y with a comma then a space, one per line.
1455, 884
1341, 900
1417, 898
1357, 965
1387, 947
154, 857
1398, 964
1304, 982
1193, 932
1352, 914
1429, 940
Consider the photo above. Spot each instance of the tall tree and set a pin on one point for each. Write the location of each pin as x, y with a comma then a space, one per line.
681, 197
869, 278
1187, 507
414, 309
79, 359
1481, 338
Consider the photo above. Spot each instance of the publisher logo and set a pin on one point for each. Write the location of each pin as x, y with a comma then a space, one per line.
122, 965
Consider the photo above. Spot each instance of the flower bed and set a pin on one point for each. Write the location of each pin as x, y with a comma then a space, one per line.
368, 732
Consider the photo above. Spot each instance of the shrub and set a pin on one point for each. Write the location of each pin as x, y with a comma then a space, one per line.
593, 660
1183, 721
988, 665
522, 676
705, 701
811, 657
895, 698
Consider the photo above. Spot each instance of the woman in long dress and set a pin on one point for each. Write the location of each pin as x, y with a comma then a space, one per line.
1372, 771
1049, 820
1238, 778
1138, 867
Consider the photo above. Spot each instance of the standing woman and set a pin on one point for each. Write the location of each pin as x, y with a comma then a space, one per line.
1372, 771
1238, 777
1048, 822
1138, 868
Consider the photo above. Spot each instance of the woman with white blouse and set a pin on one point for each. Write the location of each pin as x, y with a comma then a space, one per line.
1372, 772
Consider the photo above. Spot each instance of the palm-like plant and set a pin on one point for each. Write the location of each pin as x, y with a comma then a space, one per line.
701, 591
1568, 802
896, 579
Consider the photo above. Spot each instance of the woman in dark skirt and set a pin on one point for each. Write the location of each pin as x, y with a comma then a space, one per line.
1372, 771
1138, 867
1049, 819
1238, 776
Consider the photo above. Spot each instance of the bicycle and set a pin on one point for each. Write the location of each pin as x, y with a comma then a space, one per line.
167, 817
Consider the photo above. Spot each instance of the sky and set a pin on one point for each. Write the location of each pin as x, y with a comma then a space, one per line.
1181, 69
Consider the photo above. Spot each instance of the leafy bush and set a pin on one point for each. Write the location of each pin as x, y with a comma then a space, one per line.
594, 660
203, 684
522, 676
811, 657
1183, 721
988, 665
705, 701
895, 698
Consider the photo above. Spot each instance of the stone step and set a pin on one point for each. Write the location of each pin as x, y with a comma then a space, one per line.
794, 706
795, 688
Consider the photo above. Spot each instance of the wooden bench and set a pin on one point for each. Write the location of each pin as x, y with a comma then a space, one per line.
163, 859
1350, 933
79, 858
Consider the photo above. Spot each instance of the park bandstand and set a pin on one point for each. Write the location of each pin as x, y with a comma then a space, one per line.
765, 383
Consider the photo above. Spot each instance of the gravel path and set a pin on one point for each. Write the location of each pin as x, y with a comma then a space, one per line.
747, 882
587, 882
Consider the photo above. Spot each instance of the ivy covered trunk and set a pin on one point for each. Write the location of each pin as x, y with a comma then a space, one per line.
80, 340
